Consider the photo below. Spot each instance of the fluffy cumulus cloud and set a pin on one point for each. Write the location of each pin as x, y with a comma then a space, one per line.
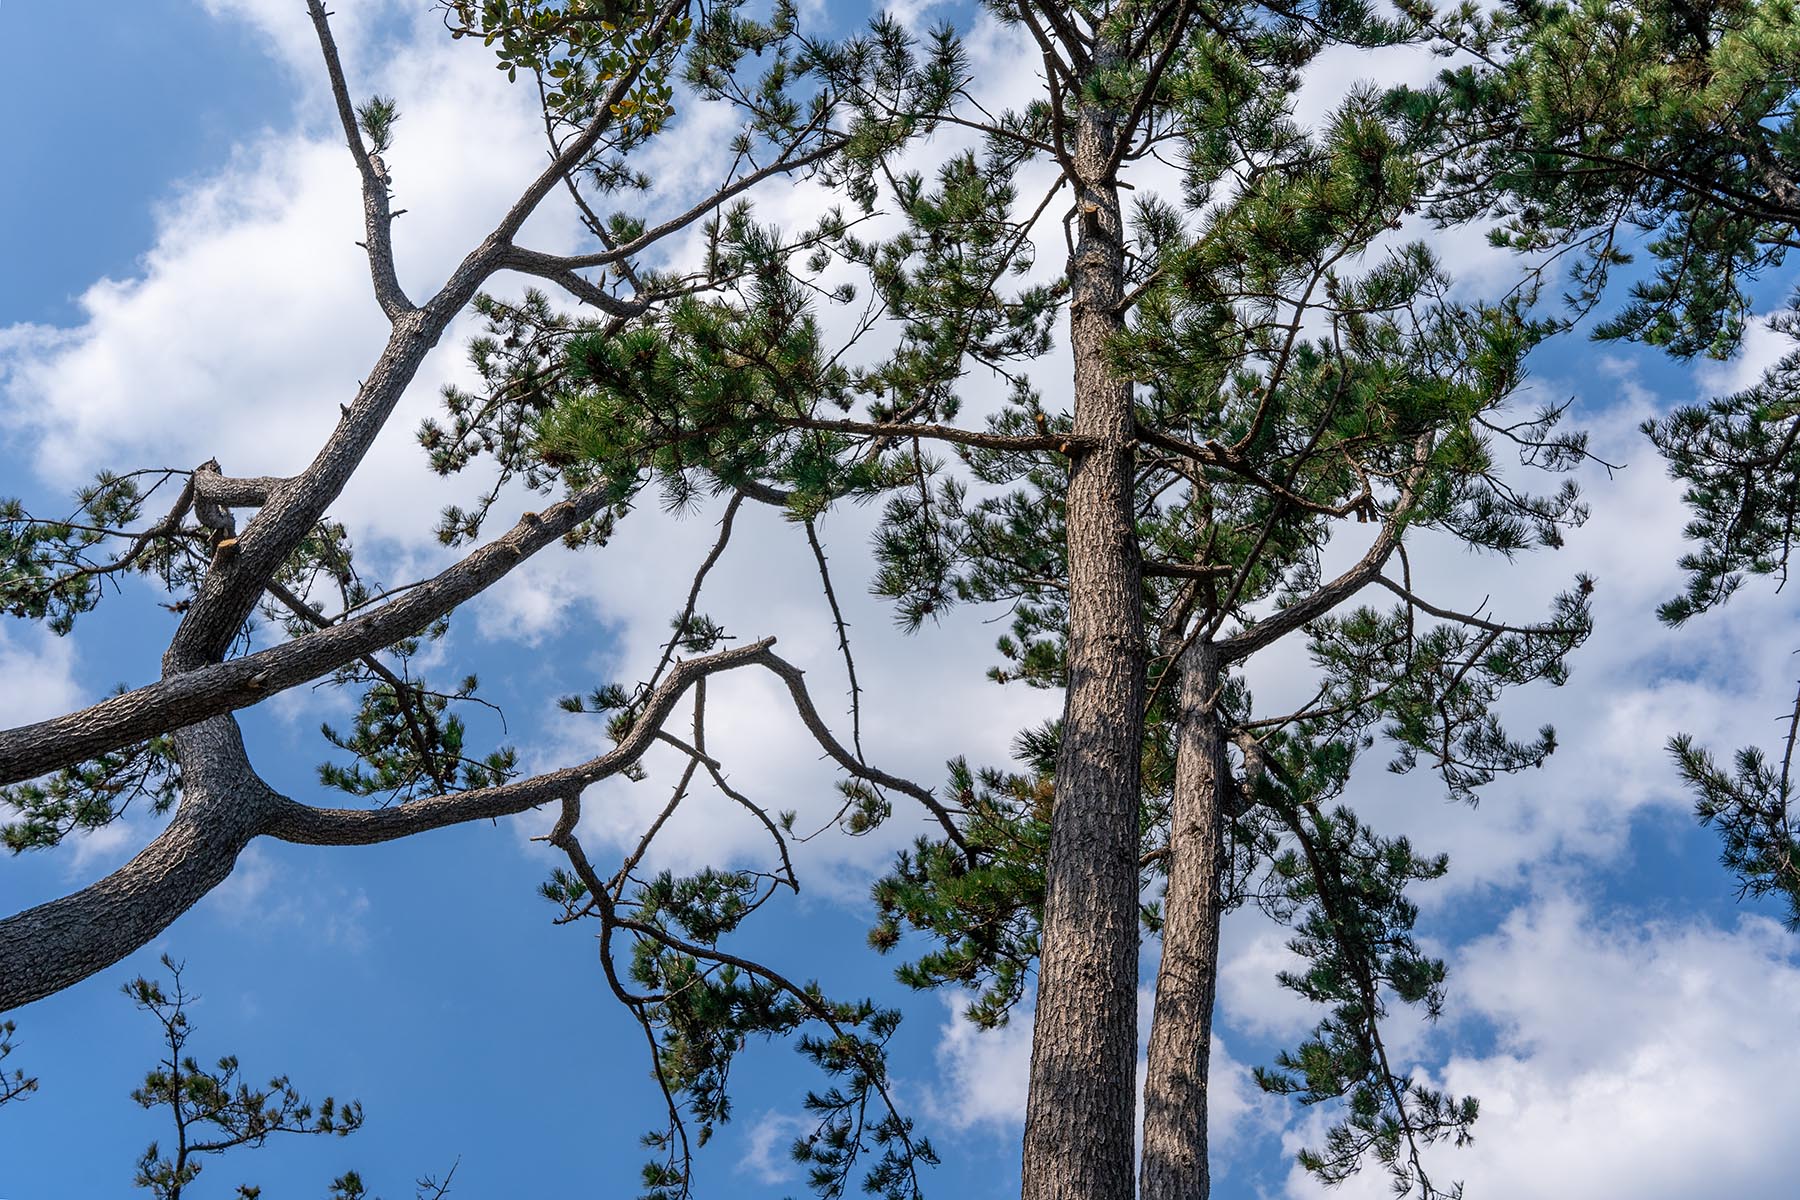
251, 318
1629, 1059
40, 671
1634, 684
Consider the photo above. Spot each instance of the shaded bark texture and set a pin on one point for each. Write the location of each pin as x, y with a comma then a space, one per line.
1079, 1117
1174, 1162
223, 806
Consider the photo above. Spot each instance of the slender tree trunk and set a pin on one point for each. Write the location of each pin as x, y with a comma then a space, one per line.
1174, 1165
1079, 1117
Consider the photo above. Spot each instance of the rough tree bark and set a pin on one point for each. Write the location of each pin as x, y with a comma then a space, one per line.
1079, 1117
1174, 1163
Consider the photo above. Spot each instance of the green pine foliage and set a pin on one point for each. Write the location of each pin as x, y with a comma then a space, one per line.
214, 1110
718, 379
54, 570
17, 1084
701, 1005
1299, 375
1607, 129
1593, 132
1304, 380
89, 795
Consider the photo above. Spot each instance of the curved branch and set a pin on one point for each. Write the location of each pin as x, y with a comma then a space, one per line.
795, 679
310, 826
561, 272
226, 805
1317, 603
1328, 596
1460, 618
58, 944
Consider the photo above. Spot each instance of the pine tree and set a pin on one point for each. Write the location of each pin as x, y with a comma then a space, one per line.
1151, 540
1269, 442
213, 1110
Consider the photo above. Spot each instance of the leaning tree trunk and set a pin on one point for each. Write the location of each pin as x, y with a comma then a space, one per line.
1079, 1116
1174, 1163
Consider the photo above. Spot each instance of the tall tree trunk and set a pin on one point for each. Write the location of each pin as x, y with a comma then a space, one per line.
1174, 1163
1079, 1117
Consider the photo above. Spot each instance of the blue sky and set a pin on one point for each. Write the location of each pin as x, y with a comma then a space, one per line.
178, 279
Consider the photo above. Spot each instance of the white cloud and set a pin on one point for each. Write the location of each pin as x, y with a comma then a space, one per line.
1634, 1060
1762, 348
983, 1074
1252, 950
252, 319
767, 1144
39, 670
1624, 1048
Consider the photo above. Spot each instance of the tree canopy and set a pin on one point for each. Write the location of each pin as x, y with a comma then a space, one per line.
1279, 394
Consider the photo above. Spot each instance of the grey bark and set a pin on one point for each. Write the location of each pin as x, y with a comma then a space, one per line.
1174, 1161
1079, 1115
225, 805
48, 948
210, 690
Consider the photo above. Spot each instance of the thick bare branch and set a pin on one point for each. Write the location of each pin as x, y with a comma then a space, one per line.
560, 272
234, 582
207, 691
231, 491
1317, 603
225, 805
54, 945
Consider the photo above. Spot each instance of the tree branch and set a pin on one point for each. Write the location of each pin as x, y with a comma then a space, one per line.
1328, 596
795, 679
377, 219
180, 699
224, 804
